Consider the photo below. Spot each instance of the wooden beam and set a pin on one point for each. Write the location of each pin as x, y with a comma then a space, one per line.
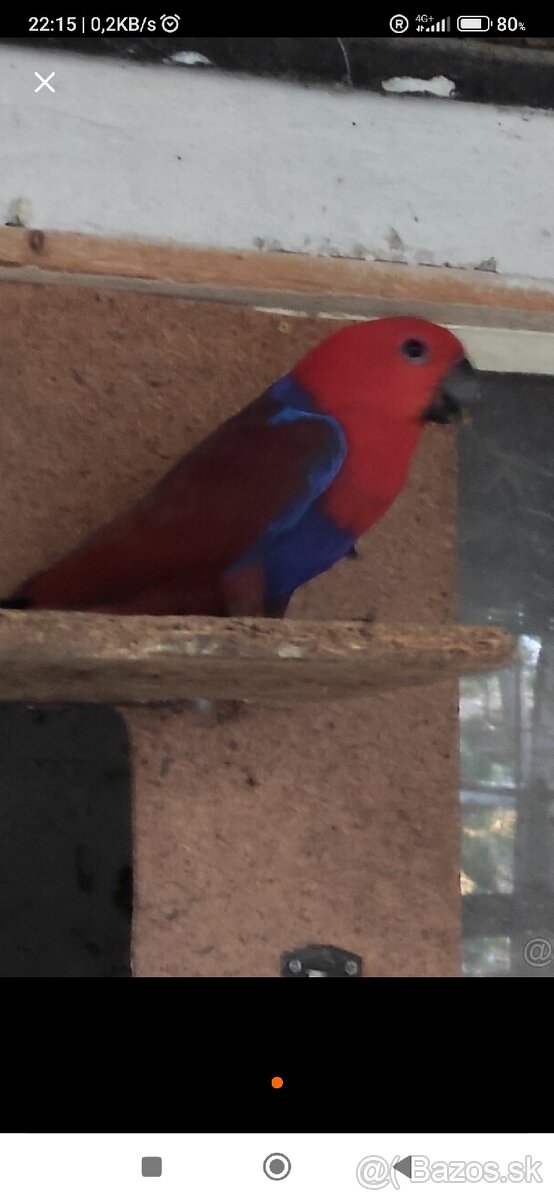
54, 657
298, 281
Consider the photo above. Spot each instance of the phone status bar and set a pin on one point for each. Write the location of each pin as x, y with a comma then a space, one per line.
465, 24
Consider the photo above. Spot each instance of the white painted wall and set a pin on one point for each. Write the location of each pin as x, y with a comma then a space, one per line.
190, 155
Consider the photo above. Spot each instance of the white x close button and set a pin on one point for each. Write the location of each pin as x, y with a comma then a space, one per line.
45, 82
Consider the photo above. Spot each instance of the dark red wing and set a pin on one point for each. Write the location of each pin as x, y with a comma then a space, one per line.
201, 518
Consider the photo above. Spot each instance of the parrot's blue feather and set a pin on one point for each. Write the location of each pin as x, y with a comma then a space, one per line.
310, 548
290, 394
302, 541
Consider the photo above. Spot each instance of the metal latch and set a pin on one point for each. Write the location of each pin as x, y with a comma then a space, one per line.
320, 962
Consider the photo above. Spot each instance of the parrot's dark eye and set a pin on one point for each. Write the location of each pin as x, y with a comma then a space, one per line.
413, 349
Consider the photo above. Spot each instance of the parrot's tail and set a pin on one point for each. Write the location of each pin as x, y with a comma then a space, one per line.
17, 602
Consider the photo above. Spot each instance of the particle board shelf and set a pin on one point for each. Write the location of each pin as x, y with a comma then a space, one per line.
55, 657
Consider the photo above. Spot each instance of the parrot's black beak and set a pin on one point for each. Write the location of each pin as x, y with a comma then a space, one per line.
458, 391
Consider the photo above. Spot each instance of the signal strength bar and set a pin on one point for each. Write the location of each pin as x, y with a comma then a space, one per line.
437, 27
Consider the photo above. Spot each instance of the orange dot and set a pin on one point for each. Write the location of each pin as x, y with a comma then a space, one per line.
276, 1082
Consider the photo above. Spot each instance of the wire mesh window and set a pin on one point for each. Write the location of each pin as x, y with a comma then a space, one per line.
507, 718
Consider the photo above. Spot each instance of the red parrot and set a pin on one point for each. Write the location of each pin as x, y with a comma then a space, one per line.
281, 491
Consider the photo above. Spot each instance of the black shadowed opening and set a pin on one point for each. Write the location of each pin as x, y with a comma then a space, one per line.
65, 842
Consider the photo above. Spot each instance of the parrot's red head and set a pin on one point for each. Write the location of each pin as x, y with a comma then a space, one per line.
399, 369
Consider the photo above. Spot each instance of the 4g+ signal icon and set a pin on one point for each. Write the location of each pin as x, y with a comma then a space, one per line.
442, 26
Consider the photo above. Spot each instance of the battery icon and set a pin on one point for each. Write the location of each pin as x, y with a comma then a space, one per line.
474, 24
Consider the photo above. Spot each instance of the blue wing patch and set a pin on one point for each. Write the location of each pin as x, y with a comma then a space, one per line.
302, 542
309, 549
